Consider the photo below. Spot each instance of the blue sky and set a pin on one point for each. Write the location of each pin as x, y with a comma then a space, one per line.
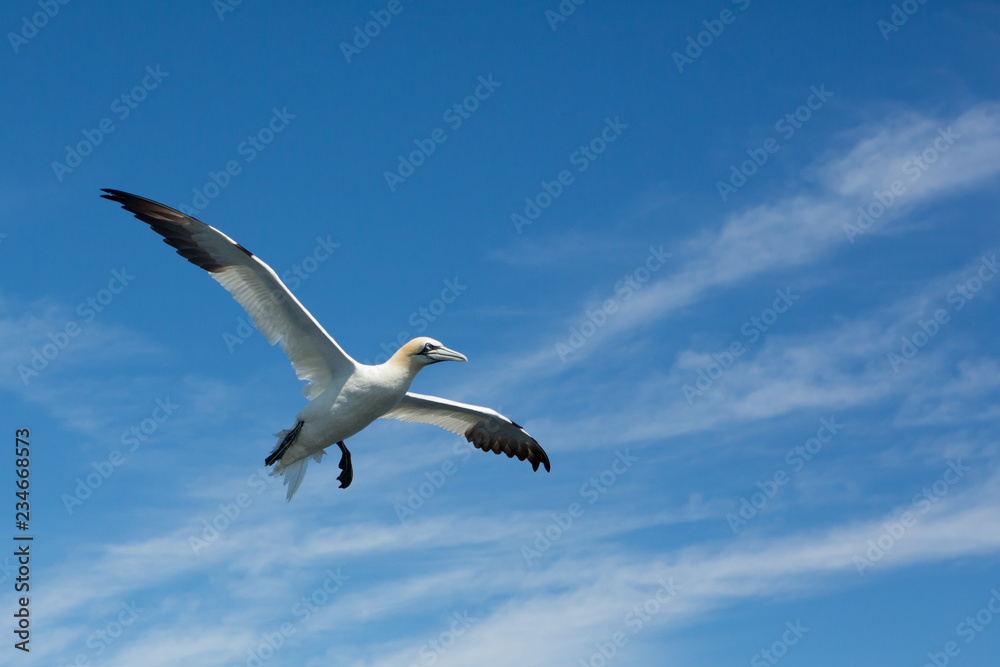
733, 265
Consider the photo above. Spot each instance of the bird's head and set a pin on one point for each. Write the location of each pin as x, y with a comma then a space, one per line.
425, 351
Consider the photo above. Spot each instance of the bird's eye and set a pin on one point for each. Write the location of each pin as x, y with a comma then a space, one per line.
428, 347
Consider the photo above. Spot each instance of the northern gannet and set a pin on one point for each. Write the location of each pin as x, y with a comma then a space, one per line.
344, 396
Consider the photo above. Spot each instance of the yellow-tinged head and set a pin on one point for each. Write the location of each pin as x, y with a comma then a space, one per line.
425, 351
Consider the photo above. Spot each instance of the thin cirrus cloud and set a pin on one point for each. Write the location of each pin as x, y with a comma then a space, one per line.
841, 367
801, 228
577, 600
554, 609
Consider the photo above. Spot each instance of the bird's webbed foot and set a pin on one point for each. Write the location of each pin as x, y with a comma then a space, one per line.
347, 476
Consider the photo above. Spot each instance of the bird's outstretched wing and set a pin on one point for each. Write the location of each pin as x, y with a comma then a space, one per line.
488, 430
314, 354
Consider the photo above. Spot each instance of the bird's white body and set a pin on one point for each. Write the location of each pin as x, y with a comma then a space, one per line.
345, 409
344, 396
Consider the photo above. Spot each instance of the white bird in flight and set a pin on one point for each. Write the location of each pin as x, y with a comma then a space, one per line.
344, 395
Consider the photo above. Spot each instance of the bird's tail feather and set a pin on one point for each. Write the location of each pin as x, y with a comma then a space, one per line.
293, 474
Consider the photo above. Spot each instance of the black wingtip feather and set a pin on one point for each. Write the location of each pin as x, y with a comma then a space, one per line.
173, 225
530, 451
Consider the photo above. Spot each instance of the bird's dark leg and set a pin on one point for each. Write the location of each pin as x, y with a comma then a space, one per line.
280, 450
347, 475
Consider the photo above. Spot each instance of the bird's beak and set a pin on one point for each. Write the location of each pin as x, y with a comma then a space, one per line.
444, 354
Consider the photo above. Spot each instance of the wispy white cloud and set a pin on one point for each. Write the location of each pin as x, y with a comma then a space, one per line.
798, 229
837, 368
934, 156
34, 344
556, 610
